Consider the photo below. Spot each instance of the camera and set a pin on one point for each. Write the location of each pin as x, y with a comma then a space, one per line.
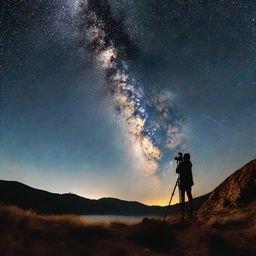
179, 158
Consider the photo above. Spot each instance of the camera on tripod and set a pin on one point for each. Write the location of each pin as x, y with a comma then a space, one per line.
179, 158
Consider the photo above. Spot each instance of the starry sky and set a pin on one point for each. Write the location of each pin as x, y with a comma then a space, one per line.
98, 97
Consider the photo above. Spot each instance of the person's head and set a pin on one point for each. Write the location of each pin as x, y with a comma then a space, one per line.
186, 157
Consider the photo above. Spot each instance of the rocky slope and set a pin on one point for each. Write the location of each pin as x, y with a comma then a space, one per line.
238, 190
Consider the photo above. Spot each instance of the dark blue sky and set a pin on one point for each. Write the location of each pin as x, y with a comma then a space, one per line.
57, 126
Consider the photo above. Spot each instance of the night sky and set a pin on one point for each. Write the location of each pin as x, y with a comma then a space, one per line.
98, 97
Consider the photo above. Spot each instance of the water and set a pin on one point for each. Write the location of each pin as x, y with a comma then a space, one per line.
107, 219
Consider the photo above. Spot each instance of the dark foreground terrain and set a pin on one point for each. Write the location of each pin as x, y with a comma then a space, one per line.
229, 232
225, 224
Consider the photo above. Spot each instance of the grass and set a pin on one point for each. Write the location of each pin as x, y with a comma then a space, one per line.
24, 232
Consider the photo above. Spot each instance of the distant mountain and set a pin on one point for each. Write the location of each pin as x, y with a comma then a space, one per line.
238, 190
16, 193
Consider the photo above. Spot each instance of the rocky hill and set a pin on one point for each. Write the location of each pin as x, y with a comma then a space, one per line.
238, 190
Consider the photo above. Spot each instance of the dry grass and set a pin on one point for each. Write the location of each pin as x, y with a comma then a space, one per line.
24, 232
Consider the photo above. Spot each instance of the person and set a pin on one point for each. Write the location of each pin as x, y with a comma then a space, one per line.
184, 169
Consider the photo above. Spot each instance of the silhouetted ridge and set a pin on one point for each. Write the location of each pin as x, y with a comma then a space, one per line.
16, 193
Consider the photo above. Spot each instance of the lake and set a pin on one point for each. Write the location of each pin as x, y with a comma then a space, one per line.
107, 219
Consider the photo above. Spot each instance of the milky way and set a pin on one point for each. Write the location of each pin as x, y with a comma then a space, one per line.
147, 122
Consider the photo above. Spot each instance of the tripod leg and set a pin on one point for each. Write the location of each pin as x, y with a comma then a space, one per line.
167, 209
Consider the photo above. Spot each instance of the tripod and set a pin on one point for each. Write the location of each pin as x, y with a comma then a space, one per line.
167, 209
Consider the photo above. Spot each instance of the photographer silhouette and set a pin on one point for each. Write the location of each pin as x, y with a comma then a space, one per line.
184, 169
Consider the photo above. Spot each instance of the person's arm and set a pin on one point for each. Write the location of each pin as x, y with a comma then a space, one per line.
178, 169
191, 175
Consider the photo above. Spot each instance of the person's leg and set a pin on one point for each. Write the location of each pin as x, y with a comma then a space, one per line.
182, 195
190, 198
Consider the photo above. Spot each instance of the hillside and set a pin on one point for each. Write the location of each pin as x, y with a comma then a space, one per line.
238, 190
16, 193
